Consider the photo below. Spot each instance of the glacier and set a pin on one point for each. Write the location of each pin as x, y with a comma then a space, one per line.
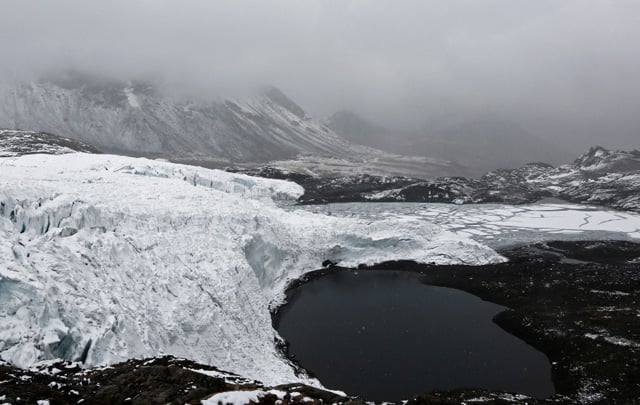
106, 258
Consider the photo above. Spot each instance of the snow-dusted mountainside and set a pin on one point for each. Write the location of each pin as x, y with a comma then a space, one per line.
136, 118
599, 176
104, 258
599, 159
16, 143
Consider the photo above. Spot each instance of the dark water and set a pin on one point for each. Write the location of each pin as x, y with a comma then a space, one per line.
383, 335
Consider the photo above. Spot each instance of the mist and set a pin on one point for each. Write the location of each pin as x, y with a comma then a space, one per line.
565, 70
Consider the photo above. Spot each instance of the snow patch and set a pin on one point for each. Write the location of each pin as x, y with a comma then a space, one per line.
614, 340
621, 293
131, 98
242, 397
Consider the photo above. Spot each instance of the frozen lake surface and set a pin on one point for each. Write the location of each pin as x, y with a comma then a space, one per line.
498, 225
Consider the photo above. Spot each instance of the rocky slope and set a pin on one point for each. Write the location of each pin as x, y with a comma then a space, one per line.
600, 177
16, 143
164, 380
141, 119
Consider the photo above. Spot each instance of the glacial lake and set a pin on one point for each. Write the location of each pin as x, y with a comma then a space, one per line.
385, 335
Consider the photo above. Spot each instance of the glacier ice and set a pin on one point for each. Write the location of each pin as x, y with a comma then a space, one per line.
105, 258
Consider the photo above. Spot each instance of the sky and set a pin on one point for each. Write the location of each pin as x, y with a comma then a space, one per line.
565, 70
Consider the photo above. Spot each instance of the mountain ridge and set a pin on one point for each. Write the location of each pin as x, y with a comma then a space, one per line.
137, 118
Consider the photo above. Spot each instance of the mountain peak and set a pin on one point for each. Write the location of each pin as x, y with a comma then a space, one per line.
594, 155
598, 158
598, 151
278, 97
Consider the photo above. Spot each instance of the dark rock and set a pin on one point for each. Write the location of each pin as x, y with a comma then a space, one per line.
599, 177
17, 142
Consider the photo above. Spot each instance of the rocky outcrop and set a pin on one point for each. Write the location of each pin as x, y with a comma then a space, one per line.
599, 177
15, 142
164, 380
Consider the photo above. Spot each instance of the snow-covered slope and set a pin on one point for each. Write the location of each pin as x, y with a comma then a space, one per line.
104, 258
137, 118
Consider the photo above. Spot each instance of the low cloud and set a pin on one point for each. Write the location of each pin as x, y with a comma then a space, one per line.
564, 69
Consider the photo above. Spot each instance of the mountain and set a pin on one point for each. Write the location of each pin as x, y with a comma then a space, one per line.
138, 118
599, 177
358, 130
478, 143
16, 143
599, 159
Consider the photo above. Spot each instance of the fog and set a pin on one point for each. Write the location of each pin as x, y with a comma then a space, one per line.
567, 71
